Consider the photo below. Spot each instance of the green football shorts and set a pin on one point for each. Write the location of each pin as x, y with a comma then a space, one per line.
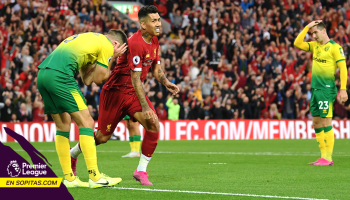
126, 117
321, 103
60, 92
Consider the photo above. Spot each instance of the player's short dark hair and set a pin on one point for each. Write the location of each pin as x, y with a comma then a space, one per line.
119, 36
144, 11
320, 26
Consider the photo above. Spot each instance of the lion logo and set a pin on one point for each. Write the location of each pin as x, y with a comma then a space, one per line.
109, 128
13, 169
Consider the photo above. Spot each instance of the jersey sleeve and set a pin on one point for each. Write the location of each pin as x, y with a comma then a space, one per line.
311, 46
105, 54
135, 56
338, 53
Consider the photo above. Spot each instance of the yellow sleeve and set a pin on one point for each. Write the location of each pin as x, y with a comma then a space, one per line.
343, 74
299, 41
339, 57
338, 53
105, 54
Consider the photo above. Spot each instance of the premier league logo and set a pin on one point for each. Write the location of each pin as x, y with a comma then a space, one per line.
13, 169
136, 60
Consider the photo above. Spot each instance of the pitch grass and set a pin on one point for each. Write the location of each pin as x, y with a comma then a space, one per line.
286, 175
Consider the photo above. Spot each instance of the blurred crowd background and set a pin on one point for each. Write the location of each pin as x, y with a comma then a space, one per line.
231, 59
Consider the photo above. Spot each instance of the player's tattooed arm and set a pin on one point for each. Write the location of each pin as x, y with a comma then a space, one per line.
159, 74
147, 112
137, 84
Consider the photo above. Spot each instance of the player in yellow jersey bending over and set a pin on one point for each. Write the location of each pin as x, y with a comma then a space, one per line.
327, 56
92, 55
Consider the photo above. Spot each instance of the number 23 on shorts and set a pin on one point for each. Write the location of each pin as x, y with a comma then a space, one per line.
323, 105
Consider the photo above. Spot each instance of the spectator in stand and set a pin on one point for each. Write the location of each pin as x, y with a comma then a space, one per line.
218, 110
289, 102
6, 110
133, 28
184, 110
161, 112
38, 109
173, 108
195, 111
273, 112
24, 115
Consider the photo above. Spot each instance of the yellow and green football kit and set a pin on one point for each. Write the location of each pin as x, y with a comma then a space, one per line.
326, 59
61, 93
324, 90
56, 81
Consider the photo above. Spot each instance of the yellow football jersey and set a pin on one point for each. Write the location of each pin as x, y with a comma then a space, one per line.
324, 64
79, 51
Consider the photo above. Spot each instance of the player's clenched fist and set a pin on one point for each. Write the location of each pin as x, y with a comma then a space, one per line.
343, 96
148, 113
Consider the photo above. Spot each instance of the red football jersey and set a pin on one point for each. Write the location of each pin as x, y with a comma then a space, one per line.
140, 57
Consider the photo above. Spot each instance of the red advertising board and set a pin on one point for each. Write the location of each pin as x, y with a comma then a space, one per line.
193, 130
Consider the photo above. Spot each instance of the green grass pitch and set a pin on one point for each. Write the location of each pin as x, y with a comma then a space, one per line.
265, 168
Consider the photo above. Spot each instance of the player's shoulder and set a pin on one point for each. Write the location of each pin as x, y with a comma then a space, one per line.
135, 38
333, 44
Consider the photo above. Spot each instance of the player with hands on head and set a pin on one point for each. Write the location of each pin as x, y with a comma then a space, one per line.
327, 56
92, 55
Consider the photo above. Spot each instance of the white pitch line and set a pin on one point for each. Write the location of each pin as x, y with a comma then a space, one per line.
217, 163
215, 193
343, 154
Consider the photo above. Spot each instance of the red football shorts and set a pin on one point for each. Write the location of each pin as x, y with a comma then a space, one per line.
113, 107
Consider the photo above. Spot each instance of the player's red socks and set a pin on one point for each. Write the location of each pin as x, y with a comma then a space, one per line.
149, 143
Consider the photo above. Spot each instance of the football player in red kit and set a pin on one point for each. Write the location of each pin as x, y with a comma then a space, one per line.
123, 93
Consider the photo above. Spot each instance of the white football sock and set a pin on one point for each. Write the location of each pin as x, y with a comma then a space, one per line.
144, 160
75, 151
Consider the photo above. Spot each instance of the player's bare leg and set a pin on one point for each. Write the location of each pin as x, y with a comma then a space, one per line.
148, 147
87, 144
62, 122
134, 138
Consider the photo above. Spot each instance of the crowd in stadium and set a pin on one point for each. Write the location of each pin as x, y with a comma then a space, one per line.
231, 59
